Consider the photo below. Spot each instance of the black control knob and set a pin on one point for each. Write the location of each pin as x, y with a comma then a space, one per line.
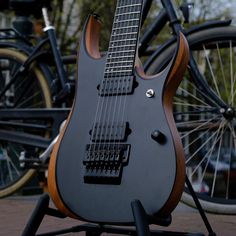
158, 136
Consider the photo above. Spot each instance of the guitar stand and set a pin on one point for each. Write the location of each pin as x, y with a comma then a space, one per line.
141, 220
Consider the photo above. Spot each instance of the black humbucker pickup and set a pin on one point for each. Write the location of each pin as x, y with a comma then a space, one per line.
104, 163
116, 86
106, 132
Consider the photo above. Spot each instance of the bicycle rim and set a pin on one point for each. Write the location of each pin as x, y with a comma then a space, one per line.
28, 91
208, 131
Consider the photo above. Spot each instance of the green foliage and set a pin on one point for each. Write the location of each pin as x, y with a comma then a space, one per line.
105, 9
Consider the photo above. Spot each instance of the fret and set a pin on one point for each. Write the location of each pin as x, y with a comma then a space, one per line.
124, 32
113, 68
120, 62
123, 37
120, 54
123, 57
127, 20
120, 74
128, 2
117, 71
113, 46
126, 27
128, 33
131, 9
126, 23
122, 40
128, 13
133, 5
126, 51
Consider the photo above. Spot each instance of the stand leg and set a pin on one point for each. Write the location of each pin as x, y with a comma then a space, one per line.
199, 207
140, 218
37, 216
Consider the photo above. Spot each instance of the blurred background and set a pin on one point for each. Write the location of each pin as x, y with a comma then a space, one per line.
68, 17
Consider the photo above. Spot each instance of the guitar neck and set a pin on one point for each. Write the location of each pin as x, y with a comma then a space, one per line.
124, 38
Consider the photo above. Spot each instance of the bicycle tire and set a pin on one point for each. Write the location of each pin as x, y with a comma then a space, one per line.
222, 159
10, 59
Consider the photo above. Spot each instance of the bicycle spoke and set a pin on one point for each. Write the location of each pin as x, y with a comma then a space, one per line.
223, 73
11, 165
202, 93
230, 158
211, 150
196, 139
193, 96
211, 70
190, 105
202, 146
197, 128
217, 163
28, 99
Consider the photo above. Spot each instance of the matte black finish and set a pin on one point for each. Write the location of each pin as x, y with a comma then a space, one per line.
150, 164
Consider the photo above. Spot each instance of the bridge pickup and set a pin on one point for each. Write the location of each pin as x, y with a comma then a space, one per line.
113, 86
110, 132
104, 163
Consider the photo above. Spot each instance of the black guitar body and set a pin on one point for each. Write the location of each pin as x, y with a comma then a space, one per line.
119, 143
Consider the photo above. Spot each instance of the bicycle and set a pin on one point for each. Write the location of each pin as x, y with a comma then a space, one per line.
198, 104
31, 87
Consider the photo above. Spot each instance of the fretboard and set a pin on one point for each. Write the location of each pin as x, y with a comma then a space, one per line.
124, 37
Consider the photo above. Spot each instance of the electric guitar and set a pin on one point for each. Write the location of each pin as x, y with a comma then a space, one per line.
120, 142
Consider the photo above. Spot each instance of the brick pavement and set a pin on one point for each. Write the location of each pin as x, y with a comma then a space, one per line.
15, 211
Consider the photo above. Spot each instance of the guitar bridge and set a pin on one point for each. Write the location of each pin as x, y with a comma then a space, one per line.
104, 163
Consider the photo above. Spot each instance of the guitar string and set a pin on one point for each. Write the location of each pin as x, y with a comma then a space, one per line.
122, 103
96, 130
106, 108
100, 113
120, 77
139, 9
117, 46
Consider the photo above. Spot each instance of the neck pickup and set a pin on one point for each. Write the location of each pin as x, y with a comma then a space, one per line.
114, 86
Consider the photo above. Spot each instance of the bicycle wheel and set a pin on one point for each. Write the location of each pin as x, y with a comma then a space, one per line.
27, 91
207, 129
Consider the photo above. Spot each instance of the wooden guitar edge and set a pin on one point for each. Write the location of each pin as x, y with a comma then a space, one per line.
90, 40
175, 77
52, 181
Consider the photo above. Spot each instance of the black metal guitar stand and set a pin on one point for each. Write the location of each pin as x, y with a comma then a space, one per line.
141, 220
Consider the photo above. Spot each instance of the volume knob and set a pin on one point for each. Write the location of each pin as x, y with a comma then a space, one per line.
158, 136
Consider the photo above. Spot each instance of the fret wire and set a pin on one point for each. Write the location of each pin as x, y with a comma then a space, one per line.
119, 68
128, 2
119, 65
138, 4
123, 31
131, 9
115, 35
128, 20
123, 57
118, 71
126, 37
128, 13
123, 45
119, 62
126, 27
122, 51
121, 40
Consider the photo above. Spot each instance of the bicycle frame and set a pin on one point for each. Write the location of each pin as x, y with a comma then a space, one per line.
168, 13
